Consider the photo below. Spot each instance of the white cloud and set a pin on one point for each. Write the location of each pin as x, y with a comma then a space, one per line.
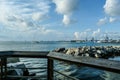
66, 7
76, 34
112, 35
40, 33
111, 19
102, 21
87, 34
20, 19
18, 15
39, 16
45, 31
80, 35
96, 33
112, 7
83, 35
66, 19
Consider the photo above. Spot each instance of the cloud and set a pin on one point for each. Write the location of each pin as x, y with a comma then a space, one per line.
40, 33
112, 19
83, 35
76, 34
112, 35
21, 20
87, 34
21, 14
80, 35
67, 20
66, 8
96, 33
112, 7
102, 21
39, 16
107, 20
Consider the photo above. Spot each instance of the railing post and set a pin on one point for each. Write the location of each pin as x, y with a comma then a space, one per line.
3, 63
1, 66
50, 69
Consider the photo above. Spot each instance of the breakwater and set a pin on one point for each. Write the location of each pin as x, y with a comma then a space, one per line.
92, 51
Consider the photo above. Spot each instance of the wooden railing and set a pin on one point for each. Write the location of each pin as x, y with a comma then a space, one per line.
19, 54
103, 64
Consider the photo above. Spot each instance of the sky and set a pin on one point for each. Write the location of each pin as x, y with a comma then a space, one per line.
54, 20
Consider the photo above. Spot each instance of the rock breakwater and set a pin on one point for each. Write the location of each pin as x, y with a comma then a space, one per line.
94, 51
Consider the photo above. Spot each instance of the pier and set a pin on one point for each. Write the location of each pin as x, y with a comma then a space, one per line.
102, 64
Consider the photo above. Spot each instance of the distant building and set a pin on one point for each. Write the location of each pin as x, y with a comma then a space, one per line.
92, 40
106, 39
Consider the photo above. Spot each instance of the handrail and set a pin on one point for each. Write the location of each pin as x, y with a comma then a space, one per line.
104, 64
28, 68
24, 54
9, 76
30, 54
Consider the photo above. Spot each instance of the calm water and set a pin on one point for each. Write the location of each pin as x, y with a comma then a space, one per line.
83, 73
46, 46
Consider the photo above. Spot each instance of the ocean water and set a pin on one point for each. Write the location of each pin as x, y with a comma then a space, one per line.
45, 45
82, 73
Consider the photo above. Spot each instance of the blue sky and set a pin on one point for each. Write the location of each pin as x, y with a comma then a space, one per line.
29, 20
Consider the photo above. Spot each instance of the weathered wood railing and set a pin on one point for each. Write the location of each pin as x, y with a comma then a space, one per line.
20, 54
104, 64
